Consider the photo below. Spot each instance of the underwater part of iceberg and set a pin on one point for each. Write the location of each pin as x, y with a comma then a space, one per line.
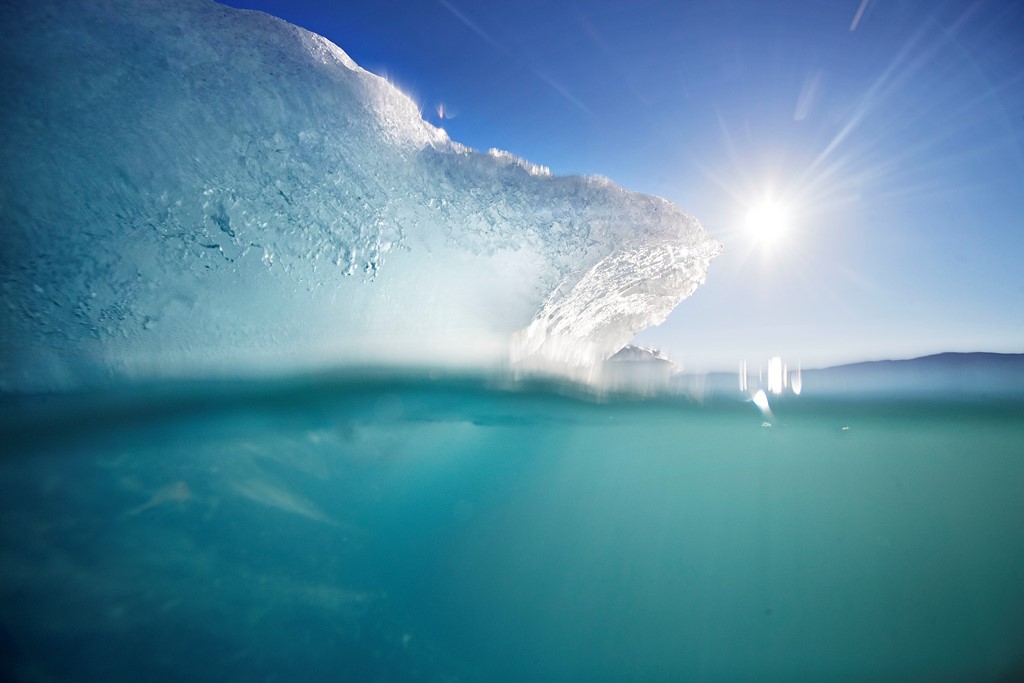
187, 186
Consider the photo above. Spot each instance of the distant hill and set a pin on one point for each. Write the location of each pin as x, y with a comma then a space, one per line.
940, 374
984, 373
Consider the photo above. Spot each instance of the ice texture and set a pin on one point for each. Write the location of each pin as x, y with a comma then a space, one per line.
187, 187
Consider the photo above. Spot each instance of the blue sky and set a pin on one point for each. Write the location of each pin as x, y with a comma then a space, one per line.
891, 133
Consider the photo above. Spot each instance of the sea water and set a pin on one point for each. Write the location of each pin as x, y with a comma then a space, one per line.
432, 527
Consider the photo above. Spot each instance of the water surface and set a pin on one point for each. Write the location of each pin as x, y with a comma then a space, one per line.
425, 528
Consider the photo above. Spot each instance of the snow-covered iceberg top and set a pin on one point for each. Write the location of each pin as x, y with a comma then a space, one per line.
631, 353
188, 187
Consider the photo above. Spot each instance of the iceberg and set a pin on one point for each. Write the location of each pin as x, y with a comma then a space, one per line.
187, 187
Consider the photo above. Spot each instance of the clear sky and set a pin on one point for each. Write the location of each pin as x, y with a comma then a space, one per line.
862, 161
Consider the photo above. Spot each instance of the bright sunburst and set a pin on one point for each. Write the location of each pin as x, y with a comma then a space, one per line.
768, 221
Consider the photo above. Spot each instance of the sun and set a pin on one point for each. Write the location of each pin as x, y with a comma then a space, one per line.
768, 221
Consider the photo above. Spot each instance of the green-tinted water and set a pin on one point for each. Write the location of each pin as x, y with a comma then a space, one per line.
441, 530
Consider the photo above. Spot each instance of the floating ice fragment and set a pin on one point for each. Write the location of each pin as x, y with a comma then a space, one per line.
760, 399
174, 492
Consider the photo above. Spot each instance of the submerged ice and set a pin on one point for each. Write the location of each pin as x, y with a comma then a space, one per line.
187, 186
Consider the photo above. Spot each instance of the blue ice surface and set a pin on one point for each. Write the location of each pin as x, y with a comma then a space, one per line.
239, 196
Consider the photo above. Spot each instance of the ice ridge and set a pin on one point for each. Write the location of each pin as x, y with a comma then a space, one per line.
187, 187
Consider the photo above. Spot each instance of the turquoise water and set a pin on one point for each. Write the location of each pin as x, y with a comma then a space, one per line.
410, 528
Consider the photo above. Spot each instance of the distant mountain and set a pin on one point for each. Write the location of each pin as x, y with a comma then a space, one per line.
946, 361
943, 374
975, 373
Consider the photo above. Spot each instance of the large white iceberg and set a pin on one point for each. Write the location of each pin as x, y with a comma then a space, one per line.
186, 186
